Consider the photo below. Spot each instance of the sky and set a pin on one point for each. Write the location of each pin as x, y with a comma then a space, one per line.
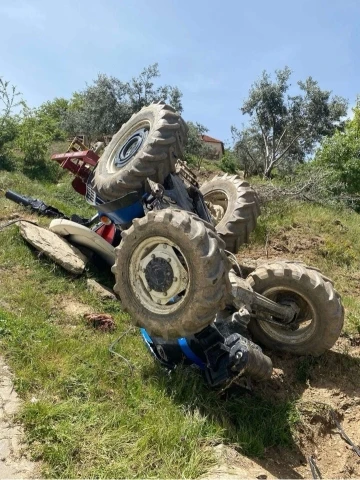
212, 50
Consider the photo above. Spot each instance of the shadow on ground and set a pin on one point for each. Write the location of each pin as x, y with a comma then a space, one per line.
265, 423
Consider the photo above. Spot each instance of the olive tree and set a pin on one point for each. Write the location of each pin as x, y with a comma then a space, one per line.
196, 150
284, 129
9, 100
109, 102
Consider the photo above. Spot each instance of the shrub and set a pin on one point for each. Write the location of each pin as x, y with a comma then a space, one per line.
229, 163
34, 139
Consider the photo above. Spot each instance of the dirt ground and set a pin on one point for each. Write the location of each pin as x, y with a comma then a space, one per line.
333, 386
324, 389
14, 462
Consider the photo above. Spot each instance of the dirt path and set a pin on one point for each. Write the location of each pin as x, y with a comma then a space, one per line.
13, 461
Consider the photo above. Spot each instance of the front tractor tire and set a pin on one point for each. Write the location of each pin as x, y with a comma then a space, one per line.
147, 146
234, 206
171, 273
321, 316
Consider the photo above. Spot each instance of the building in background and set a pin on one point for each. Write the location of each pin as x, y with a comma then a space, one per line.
216, 147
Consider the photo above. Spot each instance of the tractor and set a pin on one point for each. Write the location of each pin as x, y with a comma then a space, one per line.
171, 244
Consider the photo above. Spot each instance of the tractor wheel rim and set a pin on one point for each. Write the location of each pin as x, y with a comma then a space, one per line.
217, 202
307, 316
130, 147
159, 275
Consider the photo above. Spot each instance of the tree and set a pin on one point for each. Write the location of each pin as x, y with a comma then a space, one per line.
51, 114
340, 156
108, 103
248, 150
9, 100
284, 129
196, 150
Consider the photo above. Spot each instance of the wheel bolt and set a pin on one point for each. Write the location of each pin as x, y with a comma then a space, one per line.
175, 279
165, 293
169, 260
152, 256
238, 356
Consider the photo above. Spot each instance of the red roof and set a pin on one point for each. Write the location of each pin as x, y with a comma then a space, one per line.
206, 138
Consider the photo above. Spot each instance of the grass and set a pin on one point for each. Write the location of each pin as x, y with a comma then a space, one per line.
85, 413
324, 237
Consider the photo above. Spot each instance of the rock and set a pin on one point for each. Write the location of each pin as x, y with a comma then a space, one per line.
232, 465
54, 247
101, 321
103, 292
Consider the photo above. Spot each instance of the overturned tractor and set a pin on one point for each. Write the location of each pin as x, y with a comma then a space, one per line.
171, 244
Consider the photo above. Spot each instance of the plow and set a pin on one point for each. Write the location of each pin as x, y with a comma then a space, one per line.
171, 245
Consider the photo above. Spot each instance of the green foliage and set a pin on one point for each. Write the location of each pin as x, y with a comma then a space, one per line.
304, 368
9, 100
196, 150
229, 163
340, 155
284, 129
35, 134
51, 114
102, 107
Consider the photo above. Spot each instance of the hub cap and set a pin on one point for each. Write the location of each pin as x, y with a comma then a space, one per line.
130, 147
159, 275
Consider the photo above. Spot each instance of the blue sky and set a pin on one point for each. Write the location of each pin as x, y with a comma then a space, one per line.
212, 50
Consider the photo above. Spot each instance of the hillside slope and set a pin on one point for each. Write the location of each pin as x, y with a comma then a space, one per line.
86, 414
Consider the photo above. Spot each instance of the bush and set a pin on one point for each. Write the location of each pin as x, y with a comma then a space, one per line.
34, 139
340, 156
229, 163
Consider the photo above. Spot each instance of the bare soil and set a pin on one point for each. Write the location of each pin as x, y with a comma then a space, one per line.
14, 462
323, 388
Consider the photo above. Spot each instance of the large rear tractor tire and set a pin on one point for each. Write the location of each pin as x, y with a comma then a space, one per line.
147, 146
234, 206
171, 272
321, 315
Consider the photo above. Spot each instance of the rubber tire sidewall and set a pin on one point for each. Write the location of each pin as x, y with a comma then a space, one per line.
240, 218
155, 159
324, 300
191, 317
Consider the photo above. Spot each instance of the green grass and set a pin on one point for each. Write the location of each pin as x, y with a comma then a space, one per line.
85, 413
324, 237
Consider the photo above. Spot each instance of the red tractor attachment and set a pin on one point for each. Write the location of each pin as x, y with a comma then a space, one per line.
79, 161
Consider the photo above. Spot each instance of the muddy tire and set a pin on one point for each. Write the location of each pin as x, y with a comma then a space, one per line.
171, 273
321, 312
147, 146
237, 205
